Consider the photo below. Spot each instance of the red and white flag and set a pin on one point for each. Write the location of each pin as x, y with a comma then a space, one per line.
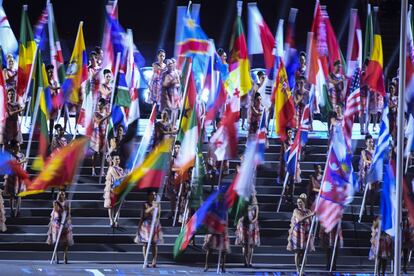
224, 142
354, 51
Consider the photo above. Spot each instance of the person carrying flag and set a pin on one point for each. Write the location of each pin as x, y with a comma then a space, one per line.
105, 90
301, 71
54, 92
284, 152
314, 186
300, 224
300, 99
256, 111
364, 166
12, 131
393, 107
247, 231
171, 94
155, 85
60, 206
115, 174
10, 73
381, 246
144, 227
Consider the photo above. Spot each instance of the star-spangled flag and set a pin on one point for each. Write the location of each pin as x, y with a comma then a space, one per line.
353, 106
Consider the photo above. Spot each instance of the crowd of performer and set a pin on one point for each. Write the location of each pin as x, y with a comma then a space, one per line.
165, 92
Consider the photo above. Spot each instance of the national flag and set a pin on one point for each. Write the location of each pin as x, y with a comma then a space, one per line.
56, 55
8, 42
375, 173
291, 57
388, 201
10, 166
133, 79
374, 77
224, 141
194, 44
41, 90
305, 121
188, 151
353, 105
284, 106
60, 169
139, 155
27, 49
108, 61
77, 71
369, 35
260, 38
182, 13
354, 53
149, 174
316, 77
87, 111
294, 153
336, 184
242, 187
189, 103
239, 81
217, 99
210, 218
198, 176
409, 90
39, 29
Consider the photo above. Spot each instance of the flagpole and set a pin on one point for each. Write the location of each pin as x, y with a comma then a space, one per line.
338, 229
400, 137
367, 186
316, 208
28, 84
377, 247
178, 203
118, 60
31, 132
283, 191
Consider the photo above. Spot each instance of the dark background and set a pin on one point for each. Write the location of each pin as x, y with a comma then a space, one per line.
153, 21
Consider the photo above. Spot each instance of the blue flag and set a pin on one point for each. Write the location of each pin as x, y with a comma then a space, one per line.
388, 203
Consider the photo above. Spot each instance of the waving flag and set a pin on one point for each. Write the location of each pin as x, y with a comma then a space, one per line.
189, 104
87, 111
291, 56
336, 183
133, 79
409, 92
210, 218
187, 155
381, 150
77, 71
8, 42
3, 103
284, 106
261, 141
354, 53
388, 202
149, 174
409, 133
60, 168
374, 76
182, 12
353, 106
27, 49
39, 29
41, 90
239, 81
216, 100
242, 186
56, 55
224, 142
260, 38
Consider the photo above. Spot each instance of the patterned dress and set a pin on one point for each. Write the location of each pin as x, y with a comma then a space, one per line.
55, 99
66, 238
58, 142
336, 91
299, 232
10, 76
144, 227
113, 173
247, 231
299, 106
254, 117
217, 242
171, 94
155, 85
12, 127
3, 227
376, 103
364, 168
99, 131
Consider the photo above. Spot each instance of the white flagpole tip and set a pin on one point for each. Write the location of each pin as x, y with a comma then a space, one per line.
239, 8
25, 7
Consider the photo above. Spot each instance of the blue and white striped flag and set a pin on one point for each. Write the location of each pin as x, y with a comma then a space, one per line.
388, 201
381, 150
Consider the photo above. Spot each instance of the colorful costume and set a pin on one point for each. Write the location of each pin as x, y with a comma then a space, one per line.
336, 90
114, 172
12, 183
364, 168
299, 231
58, 142
247, 231
171, 94
66, 238
217, 242
12, 127
155, 85
99, 131
144, 227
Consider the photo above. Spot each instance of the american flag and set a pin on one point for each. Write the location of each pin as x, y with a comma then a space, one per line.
353, 106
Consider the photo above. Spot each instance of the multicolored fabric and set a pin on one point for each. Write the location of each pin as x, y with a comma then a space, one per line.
299, 231
363, 168
66, 238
